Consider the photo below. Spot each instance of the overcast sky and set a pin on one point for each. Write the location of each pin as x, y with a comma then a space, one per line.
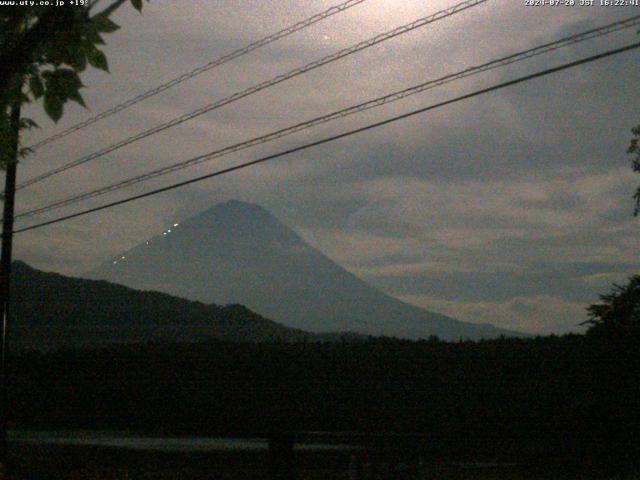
512, 208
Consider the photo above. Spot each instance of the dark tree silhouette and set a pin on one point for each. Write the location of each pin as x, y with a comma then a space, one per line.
613, 340
618, 312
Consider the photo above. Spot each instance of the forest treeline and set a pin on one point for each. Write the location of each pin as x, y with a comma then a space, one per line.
576, 390
575, 396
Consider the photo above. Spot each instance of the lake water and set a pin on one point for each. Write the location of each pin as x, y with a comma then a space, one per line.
165, 444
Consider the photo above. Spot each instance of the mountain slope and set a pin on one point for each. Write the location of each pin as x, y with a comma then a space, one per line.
239, 253
54, 311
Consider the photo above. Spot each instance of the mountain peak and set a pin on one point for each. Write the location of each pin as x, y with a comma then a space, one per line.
236, 207
240, 205
238, 252
234, 214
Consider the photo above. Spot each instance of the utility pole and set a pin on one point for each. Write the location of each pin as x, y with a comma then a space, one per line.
5, 272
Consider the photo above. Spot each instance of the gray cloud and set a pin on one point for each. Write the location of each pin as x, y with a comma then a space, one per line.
512, 208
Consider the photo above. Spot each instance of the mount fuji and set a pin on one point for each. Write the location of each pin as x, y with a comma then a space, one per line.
238, 253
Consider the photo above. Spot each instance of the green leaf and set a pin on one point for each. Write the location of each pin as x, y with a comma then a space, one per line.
76, 97
137, 4
24, 151
36, 86
27, 124
54, 106
69, 78
98, 59
55, 53
104, 24
93, 37
77, 59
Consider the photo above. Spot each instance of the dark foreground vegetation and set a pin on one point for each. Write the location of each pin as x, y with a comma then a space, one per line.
80, 463
568, 403
572, 399
92, 463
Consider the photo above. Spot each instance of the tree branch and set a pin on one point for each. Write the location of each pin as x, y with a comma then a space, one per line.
15, 62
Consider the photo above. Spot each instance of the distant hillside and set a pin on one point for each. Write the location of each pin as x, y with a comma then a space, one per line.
54, 311
238, 252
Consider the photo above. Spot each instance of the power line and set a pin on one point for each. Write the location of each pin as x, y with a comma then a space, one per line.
333, 138
383, 100
421, 22
203, 68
